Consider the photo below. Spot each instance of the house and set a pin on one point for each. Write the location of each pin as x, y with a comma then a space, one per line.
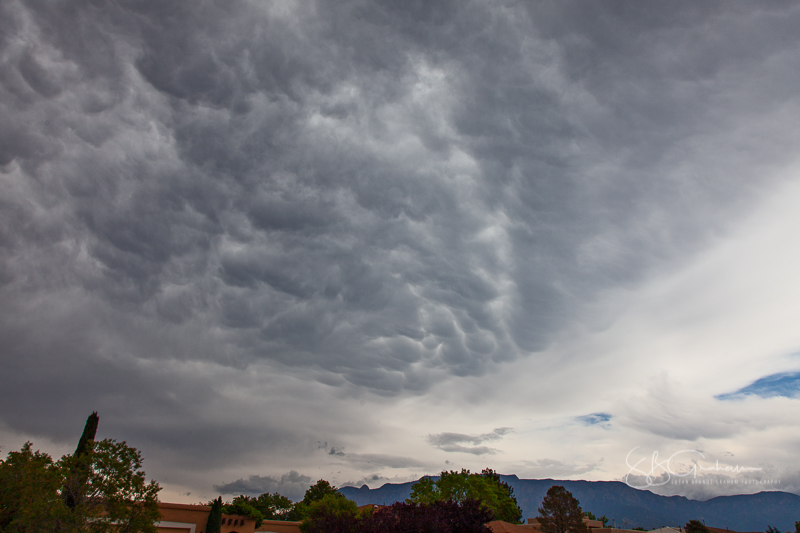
499, 526
279, 526
187, 518
591, 524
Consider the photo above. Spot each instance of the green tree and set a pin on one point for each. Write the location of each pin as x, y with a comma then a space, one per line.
107, 486
319, 490
29, 493
273, 506
110, 490
560, 512
332, 513
797, 527
89, 432
214, 522
696, 526
470, 516
486, 487
244, 506
316, 492
79, 476
771, 529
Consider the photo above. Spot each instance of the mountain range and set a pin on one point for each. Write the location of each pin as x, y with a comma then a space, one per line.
629, 507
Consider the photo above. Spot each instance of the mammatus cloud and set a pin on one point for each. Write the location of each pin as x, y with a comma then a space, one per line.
230, 220
293, 485
452, 442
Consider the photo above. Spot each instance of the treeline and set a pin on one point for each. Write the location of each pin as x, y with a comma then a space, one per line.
276, 506
100, 488
457, 501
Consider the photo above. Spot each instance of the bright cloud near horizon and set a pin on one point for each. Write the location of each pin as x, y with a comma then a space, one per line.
273, 242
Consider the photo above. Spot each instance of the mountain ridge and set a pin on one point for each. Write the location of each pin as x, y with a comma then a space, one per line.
630, 507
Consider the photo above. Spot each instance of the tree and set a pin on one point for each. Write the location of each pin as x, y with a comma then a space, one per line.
316, 492
771, 529
696, 526
797, 527
80, 465
470, 516
560, 512
273, 506
333, 513
214, 522
499, 497
244, 506
109, 488
89, 432
319, 490
29, 493
486, 487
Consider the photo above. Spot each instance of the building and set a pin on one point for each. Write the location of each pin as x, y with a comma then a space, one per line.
279, 526
186, 518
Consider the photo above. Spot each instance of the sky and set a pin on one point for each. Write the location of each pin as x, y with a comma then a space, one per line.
365, 241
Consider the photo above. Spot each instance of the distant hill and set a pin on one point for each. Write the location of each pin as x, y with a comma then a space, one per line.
631, 507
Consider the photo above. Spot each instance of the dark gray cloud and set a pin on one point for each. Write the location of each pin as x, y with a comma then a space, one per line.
336, 451
474, 450
293, 485
368, 196
454, 442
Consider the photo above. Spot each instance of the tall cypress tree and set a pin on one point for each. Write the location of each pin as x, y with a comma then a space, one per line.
89, 431
214, 524
80, 471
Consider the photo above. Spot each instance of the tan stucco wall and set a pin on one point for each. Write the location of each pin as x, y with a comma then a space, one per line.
197, 515
279, 526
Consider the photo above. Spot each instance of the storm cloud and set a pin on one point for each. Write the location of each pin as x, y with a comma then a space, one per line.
223, 218
454, 442
293, 485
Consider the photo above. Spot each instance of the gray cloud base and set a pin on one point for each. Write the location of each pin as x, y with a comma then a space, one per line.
293, 485
453, 442
370, 196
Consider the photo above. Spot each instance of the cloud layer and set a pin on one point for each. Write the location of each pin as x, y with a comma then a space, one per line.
292, 485
253, 227
454, 442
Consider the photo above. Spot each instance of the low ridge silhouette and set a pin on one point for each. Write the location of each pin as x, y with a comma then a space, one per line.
631, 507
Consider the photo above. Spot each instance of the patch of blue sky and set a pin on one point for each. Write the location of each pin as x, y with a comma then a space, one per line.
594, 419
782, 384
